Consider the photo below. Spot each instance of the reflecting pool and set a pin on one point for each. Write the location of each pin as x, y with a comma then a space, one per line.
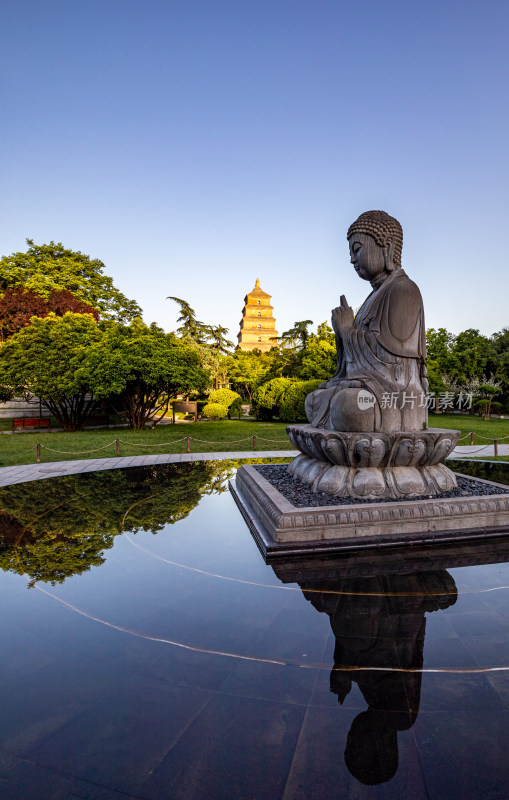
148, 651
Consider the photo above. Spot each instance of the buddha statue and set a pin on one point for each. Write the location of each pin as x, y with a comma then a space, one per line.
368, 436
380, 381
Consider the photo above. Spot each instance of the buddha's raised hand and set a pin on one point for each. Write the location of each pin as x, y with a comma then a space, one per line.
342, 316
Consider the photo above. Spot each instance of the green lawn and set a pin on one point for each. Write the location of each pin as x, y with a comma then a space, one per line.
482, 429
206, 437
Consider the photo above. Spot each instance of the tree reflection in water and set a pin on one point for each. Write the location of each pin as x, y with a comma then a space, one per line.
378, 622
52, 529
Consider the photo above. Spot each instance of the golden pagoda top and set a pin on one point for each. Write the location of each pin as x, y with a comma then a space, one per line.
256, 292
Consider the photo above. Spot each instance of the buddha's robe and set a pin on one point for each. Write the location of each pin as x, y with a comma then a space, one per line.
385, 354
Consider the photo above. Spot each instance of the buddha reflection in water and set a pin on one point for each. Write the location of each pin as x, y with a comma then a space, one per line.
380, 622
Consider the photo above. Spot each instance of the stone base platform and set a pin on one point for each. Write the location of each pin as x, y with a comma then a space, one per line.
370, 465
280, 528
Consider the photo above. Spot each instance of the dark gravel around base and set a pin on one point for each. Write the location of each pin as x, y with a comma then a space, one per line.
302, 497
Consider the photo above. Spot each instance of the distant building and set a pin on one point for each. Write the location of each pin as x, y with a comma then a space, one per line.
257, 326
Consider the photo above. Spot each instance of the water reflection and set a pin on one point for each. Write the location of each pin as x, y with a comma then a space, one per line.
188, 663
52, 529
379, 625
384, 630
497, 471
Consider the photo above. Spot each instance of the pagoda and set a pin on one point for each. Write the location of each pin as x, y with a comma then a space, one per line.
257, 326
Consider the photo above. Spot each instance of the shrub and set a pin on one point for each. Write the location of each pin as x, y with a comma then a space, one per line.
283, 398
214, 411
292, 402
267, 397
235, 408
224, 397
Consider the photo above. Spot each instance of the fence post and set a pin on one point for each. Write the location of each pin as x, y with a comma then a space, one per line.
254, 442
38, 453
471, 437
495, 447
117, 442
188, 444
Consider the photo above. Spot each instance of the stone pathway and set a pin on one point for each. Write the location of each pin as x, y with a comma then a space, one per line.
52, 469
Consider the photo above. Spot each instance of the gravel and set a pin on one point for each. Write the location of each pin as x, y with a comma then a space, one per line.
301, 495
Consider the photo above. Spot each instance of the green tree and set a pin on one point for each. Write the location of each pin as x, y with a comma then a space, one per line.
71, 362
190, 326
458, 359
299, 334
50, 359
435, 377
293, 346
208, 340
486, 392
320, 360
439, 344
217, 339
247, 369
324, 332
498, 362
211, 361
140, 368
470, 352
51, 267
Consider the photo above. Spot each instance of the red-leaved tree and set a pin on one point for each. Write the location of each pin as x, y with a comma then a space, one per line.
18, 306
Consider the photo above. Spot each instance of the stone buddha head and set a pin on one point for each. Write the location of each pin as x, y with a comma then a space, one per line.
376, 242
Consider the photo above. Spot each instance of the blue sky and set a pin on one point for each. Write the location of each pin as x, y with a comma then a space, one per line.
195, 146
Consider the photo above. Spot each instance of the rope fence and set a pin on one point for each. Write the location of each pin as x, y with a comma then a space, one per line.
78, 452
162, 444
479, 450
39, 447
486, 439
225, 444
26, 451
